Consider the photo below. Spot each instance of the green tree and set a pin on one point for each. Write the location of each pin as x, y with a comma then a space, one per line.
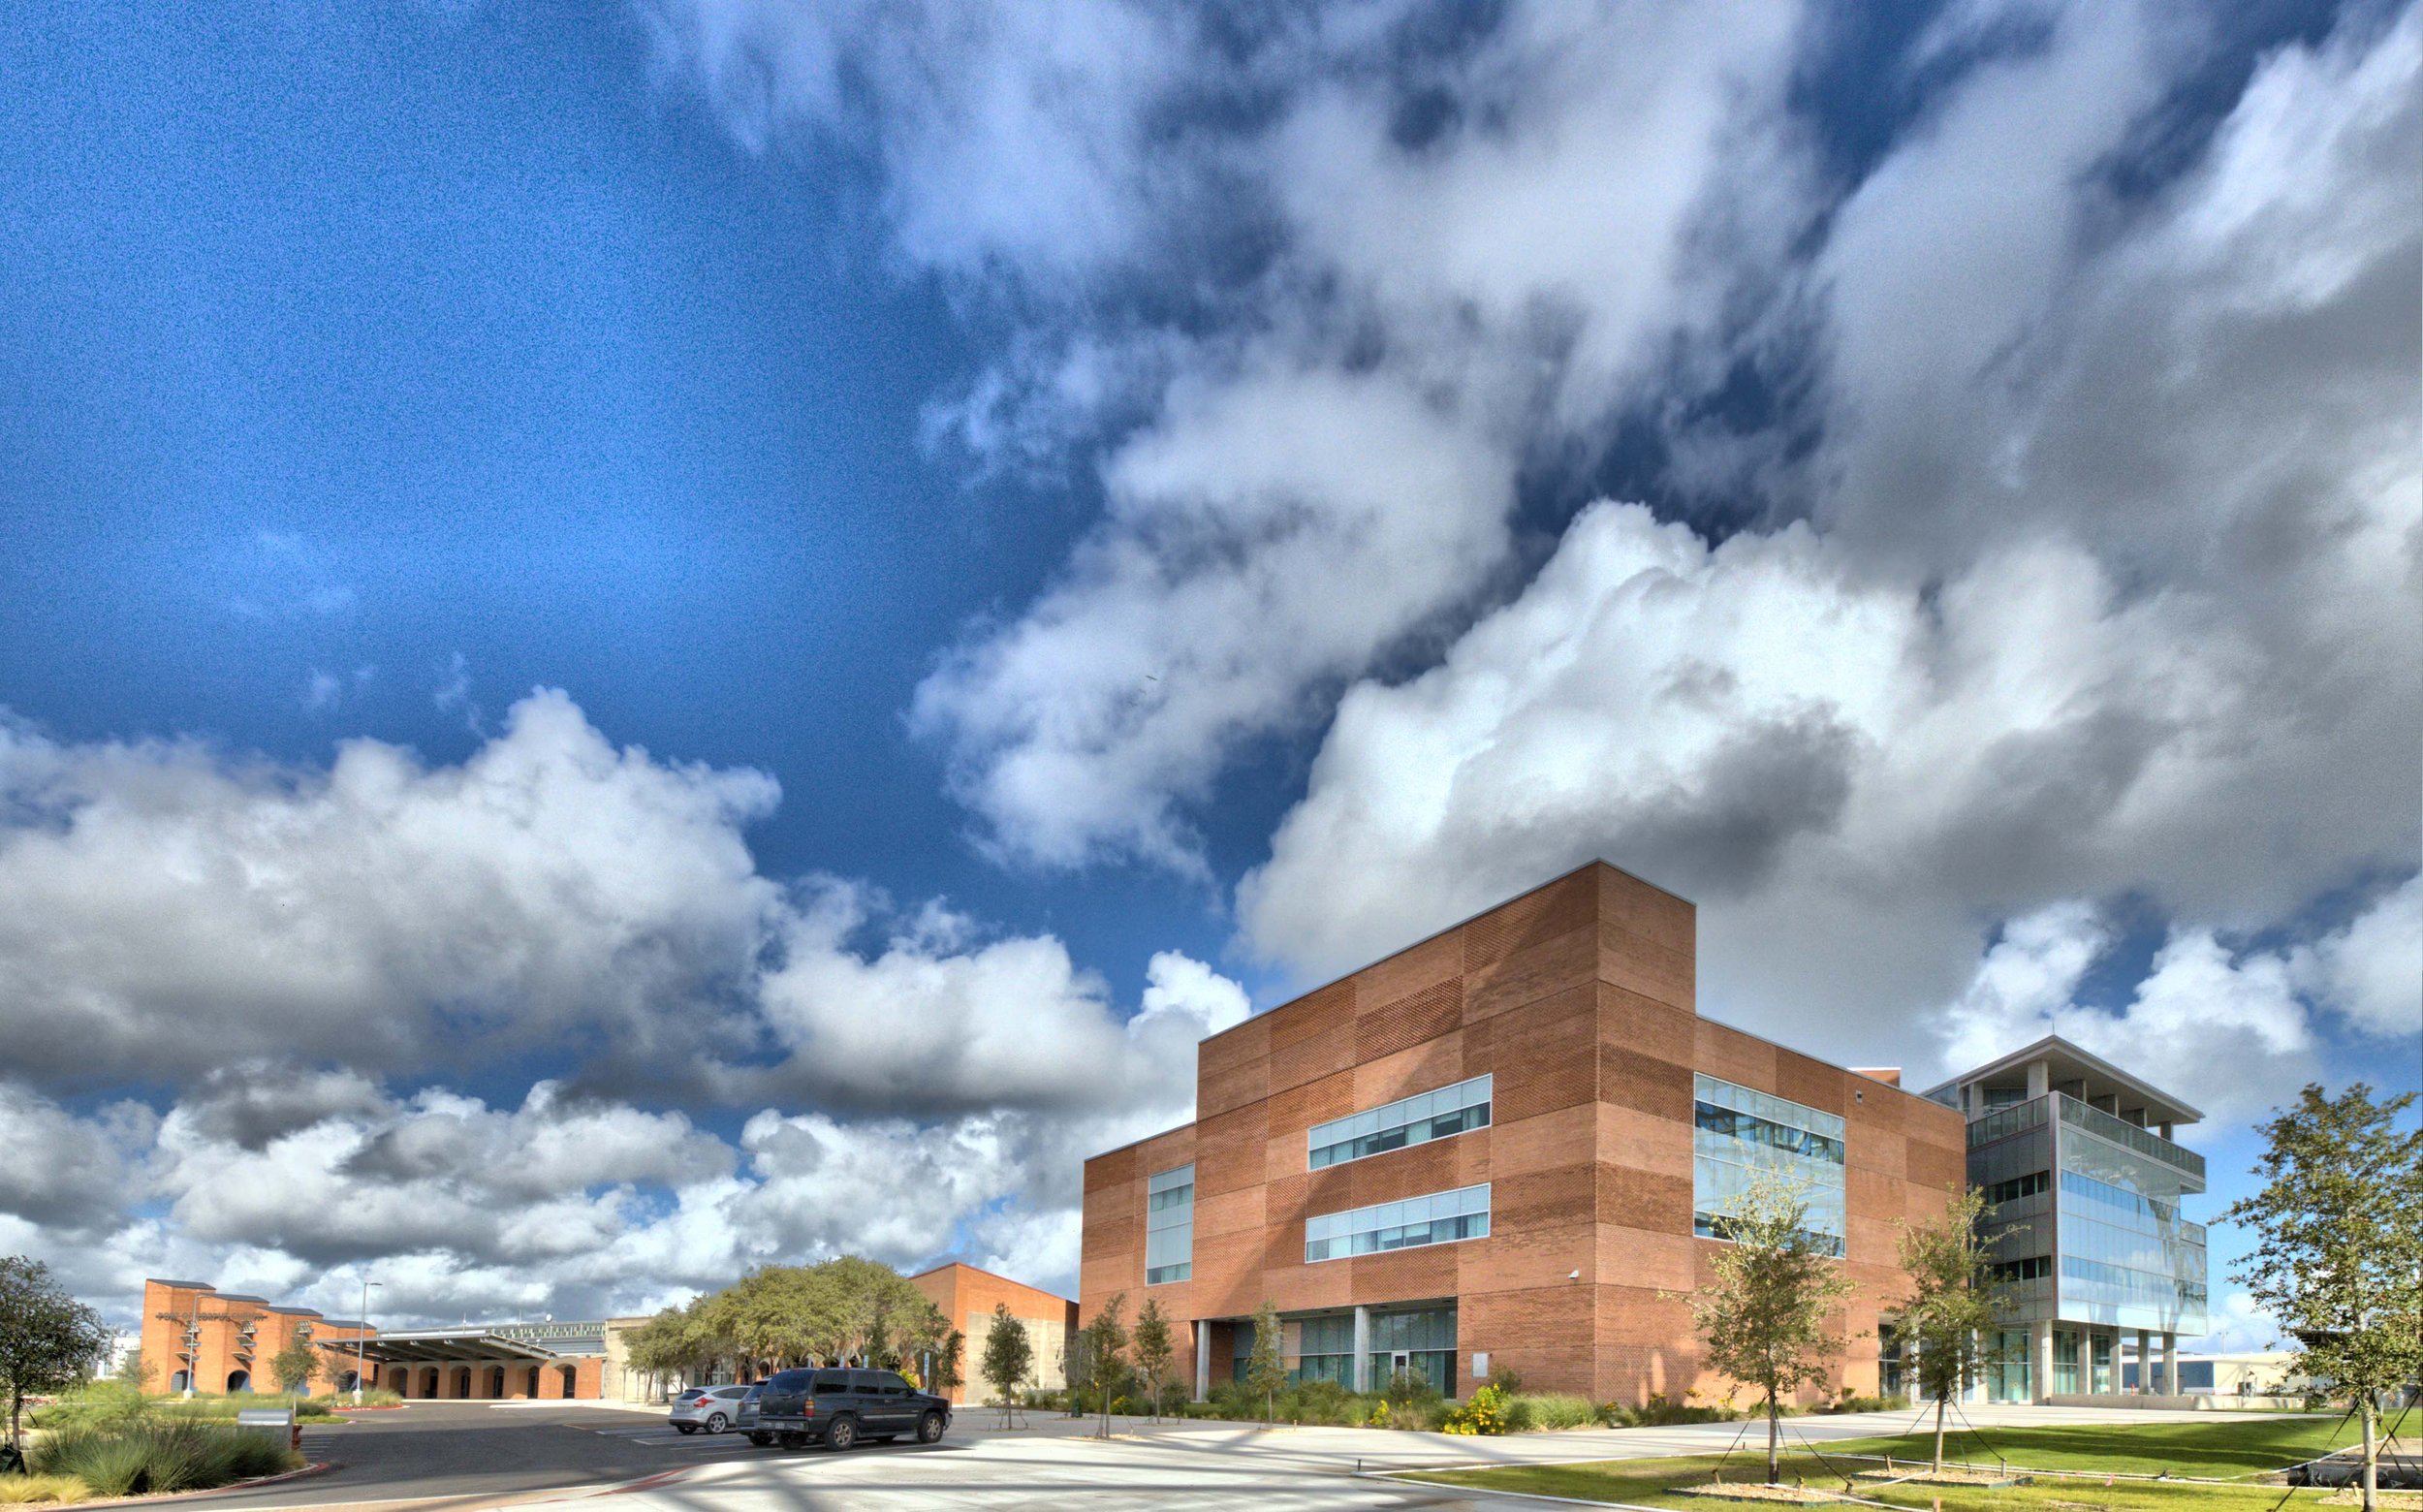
1266, 1369
1104, 1341
1764, 1316
2337, 1259
1009, 1354
294, 1366
47, 1338
949, 1364
1153, 1349
134, 1370
1950, 1309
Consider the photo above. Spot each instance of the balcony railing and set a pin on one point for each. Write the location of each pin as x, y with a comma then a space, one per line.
2120, 1131
2014, 1120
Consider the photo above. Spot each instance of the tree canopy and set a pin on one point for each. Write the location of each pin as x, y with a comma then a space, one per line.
1950, 1307
1009, 1355
47, 1338
1764, 1316
2337, 1257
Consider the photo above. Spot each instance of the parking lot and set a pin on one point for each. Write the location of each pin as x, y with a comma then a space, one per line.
463, 1456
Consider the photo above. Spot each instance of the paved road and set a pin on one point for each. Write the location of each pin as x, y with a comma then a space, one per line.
464, 1455
440, 1456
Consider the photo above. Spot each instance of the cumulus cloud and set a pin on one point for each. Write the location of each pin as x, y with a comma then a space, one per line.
2372, 970
310, 961
2090, 599
2223, 1030
1312, 279
381, 914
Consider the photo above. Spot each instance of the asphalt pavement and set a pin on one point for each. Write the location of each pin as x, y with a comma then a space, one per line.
460, 1456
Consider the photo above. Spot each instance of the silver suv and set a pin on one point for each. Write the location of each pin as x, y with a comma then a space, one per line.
711, 1407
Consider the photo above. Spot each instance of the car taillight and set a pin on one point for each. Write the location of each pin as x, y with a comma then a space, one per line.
807, 1410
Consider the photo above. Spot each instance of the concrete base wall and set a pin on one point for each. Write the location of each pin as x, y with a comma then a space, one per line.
2127, 1401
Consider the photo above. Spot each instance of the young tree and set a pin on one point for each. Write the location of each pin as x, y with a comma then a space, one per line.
1266, 1369
2338, 1258
949, 1363
1952, 1300
134, 1370
47, 1338
1153, 1349
294, 1366
1009, 1354
1764, 1316
1106, 1349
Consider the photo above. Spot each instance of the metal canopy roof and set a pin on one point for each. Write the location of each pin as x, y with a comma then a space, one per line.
2068, 1066
450, 1346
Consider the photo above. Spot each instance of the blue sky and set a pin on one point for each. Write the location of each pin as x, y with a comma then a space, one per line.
1096, 516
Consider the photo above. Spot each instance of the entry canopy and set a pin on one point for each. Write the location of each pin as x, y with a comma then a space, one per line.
450, 1346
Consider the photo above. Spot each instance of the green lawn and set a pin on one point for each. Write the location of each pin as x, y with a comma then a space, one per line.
2225, 1446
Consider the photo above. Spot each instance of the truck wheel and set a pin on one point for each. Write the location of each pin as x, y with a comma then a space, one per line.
842, 1437
761, 1439
930, 1429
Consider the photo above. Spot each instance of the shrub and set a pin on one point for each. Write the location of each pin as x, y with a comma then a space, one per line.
1484, 1414
1847, 1402
17, 1490
160, 1454
1664, 1411
1320, 1401
1551, 1409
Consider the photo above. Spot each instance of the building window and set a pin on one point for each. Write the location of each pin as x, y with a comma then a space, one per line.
2018, 1186
1440, 1218
1739, 1133
2034, 1268
1170, 1226
1408, 1120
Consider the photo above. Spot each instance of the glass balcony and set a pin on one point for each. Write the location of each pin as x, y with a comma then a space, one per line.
2013, 1120
2095, 1120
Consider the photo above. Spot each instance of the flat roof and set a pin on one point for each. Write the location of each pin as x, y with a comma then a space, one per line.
451, 1345
1444, 930
995, 1275
2067, 1062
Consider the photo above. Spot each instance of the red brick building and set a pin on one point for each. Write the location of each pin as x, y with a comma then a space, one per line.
1504, 1148
196, 1335
966, 1297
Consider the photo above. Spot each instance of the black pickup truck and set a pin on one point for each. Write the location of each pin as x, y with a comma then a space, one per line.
838, 1408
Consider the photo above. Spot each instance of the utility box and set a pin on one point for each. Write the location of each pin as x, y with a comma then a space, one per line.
273, 1420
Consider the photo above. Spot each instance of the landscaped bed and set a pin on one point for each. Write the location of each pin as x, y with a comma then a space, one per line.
2218, 1450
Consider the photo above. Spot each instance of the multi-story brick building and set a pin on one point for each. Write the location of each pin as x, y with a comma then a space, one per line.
1504, 1148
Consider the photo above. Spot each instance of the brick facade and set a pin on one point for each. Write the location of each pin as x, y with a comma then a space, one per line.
1578, 998
234, 1338
966, 1297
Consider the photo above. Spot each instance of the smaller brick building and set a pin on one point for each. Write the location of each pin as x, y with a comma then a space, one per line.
196, 1335
966, 1297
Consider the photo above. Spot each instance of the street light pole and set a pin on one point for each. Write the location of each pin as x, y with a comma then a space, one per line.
361, 1340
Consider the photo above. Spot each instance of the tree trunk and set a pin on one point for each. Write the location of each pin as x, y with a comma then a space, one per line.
1940, 1401
2372, 1454
1775, 1432
17, 1408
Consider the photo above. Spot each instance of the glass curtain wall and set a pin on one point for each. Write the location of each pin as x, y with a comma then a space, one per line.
1170, 1226
2128, 1259
1739, 1133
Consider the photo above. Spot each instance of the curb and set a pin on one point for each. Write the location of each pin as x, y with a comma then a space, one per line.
316, 1467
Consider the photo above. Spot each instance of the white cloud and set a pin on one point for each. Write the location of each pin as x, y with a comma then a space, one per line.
2372, 971
2224, 1030
381, 914
2092, 599
1320, 301
285, 945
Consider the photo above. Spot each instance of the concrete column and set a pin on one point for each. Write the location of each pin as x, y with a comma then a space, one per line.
1361, 1377
2039, 1077
1203, 1359
2145, 1365
2042, 1348
2170, 1365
